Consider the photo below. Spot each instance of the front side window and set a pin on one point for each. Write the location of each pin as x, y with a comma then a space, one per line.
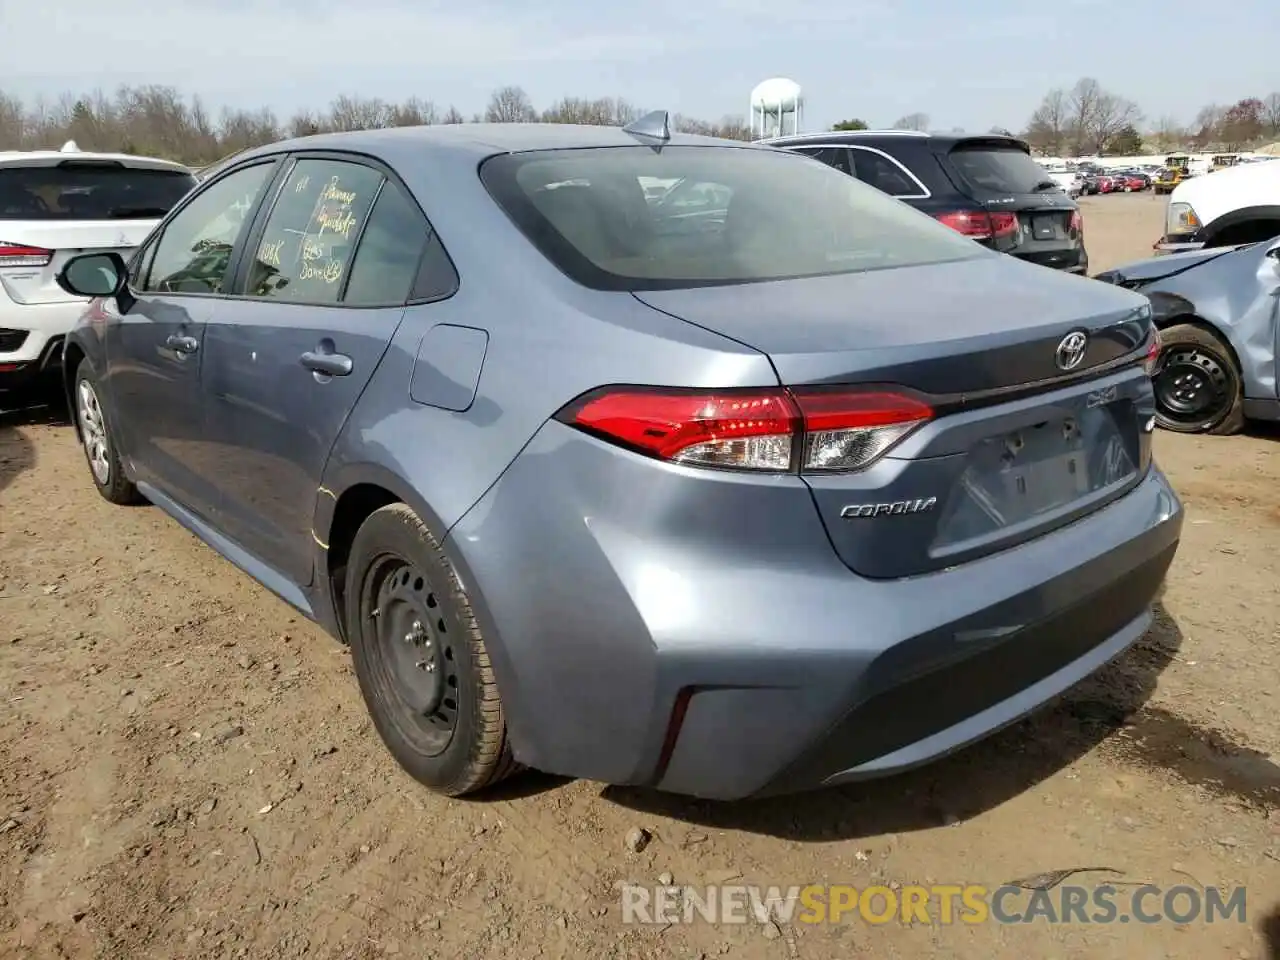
311, 233
194, 252
765, 215
837, 157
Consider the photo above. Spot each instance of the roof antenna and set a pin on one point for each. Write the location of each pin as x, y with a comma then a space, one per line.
652, 126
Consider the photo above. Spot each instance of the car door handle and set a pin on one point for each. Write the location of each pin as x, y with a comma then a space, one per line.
330, 364
182, 344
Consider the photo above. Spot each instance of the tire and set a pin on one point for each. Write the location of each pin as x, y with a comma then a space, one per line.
97, 440
1197, 383
420, 659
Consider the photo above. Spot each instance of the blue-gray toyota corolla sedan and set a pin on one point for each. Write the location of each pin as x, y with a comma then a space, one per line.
646, 458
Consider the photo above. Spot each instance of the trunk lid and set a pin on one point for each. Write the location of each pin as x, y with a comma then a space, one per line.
950, 328
1017, 446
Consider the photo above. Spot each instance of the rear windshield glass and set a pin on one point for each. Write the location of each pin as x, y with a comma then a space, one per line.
998, 169
635, 218
87, 192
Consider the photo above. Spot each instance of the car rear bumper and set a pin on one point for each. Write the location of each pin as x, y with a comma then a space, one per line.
697, 633
27, 329
1071, 261
16, 374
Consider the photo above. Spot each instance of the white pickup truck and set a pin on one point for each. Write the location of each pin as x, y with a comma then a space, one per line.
1240, 204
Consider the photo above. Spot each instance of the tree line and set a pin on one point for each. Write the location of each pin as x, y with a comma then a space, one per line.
1088, 119
1083, 120
160, 121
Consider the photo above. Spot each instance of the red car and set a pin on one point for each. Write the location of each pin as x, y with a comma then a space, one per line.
1128, 183
1106, 183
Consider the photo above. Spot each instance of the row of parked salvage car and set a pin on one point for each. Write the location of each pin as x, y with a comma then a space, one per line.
635, 456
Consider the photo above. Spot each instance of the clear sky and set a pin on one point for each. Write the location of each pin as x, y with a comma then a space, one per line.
972, 65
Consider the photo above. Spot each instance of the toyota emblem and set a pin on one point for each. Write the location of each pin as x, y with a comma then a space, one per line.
1070, 353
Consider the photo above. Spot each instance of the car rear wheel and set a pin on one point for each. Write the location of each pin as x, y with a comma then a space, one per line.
420, 658
1197, 384
97, 440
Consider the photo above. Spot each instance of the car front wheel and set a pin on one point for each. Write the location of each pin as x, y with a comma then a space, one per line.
97, 440
420, 658
1198, 387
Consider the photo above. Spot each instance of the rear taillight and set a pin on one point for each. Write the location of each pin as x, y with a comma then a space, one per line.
21, 255
772, 430
1076, 223
978, 224
1153, 353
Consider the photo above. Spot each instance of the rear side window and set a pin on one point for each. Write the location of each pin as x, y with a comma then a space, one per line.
730, 215
884, 174
390, 250
990, 168
86, 190
311, 233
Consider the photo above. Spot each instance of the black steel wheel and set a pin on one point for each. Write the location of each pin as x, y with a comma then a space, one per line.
417, 662
1198, 388
421, 662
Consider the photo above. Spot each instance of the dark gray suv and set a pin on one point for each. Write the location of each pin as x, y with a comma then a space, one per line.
986, 187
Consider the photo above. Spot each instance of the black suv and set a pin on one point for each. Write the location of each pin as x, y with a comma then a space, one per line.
986, 187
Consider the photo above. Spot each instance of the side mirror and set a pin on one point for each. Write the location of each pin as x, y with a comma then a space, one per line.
1274, 252
93, 275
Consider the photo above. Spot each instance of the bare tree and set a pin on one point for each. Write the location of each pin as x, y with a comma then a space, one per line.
912, 121
1083, 106
355, 113
453, 116
1243, 123
13, 122
1047, 130
729, 128
414, 112
510, 105
305, 124
1168, 132
579, 110
1271, 113
1112, 115
241, 129
1207, 126
605, 111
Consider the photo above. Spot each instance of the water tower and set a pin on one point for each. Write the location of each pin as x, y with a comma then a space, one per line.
777, 108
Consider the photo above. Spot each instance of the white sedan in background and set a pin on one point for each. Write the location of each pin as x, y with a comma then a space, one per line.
1070, 181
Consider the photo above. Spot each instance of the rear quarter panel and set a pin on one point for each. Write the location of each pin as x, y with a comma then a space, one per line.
548, 341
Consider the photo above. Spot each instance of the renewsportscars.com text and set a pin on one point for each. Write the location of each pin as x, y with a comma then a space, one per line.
937, 904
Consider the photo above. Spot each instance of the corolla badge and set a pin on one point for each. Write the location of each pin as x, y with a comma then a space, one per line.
898, 508
1070, 352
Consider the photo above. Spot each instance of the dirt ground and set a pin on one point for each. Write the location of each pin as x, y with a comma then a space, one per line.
187, 771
